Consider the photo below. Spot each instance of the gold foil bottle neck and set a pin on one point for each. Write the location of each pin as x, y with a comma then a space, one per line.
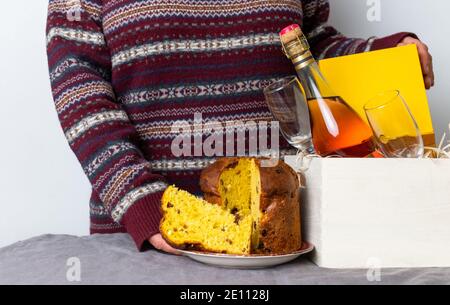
296, 46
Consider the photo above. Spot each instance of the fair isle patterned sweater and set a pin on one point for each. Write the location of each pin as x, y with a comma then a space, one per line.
125, 71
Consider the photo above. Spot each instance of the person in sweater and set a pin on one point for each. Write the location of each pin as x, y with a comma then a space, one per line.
123, 72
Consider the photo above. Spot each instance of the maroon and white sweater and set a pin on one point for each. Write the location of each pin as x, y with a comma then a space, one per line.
126, 70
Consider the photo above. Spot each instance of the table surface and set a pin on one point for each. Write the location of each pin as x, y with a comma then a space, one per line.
113, 259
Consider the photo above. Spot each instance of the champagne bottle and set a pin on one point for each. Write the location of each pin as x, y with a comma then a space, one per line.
336, 128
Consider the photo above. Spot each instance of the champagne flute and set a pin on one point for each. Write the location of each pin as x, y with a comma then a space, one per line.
395, 129
288, 105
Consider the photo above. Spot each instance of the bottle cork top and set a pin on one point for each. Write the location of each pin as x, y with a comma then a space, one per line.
290, 33
294, 43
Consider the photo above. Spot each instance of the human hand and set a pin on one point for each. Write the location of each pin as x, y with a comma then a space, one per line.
159, 243
426, 59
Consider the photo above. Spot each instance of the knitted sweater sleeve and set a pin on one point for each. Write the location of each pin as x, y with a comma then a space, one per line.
97, 128
327, 42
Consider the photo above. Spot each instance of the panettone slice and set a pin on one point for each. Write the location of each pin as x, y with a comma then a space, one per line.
194, 224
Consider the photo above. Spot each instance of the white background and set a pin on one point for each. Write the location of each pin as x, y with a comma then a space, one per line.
42, 187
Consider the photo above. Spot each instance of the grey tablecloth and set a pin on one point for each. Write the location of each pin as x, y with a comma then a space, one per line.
113, 259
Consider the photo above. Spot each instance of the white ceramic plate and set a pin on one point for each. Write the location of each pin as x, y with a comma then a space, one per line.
246, 262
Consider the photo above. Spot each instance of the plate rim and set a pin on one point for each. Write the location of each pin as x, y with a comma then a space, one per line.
307, 247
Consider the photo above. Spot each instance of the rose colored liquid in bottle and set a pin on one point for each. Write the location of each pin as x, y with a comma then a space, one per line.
338, 130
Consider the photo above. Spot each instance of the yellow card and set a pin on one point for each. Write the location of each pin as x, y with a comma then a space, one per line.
357, 78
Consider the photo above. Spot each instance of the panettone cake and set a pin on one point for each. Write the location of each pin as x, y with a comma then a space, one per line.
248, 208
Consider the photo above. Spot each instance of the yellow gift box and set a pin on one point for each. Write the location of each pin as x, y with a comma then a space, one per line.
359, 77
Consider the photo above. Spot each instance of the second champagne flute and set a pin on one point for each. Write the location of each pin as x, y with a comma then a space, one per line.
288, 105
395, 130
